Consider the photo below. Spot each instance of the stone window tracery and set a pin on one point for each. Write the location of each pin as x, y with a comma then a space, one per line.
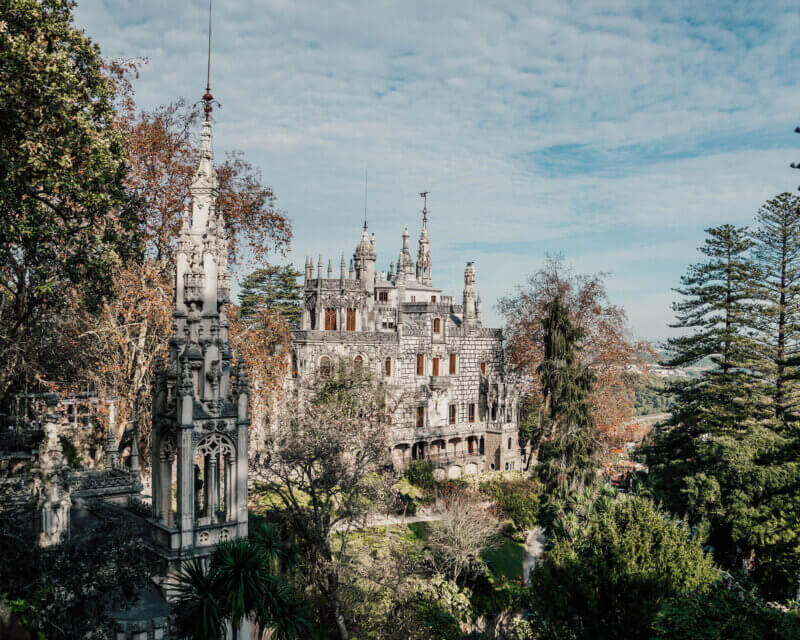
330, 319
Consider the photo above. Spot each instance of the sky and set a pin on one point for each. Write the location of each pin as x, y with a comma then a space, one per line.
610, 132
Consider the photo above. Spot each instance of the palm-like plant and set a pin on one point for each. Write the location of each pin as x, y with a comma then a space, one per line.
240, 582
276, 549
200, 613
242, 578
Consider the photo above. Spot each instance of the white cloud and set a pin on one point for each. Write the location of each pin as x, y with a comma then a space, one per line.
463, 98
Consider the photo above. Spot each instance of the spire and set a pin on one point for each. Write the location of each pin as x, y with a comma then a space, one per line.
330, 269
424, 275
319, 268
469, 315
341, 268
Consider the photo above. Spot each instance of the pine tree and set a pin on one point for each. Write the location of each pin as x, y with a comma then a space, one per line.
569, 431
724, 461
777, 254
275, 288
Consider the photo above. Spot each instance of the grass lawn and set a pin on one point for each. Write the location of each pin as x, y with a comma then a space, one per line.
506, 559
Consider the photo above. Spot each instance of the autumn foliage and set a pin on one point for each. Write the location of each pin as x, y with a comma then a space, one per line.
607, 348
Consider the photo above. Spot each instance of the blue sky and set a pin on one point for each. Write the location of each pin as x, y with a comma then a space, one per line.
611, 132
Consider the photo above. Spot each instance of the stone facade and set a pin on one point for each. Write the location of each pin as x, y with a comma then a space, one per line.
445, 372
200, 408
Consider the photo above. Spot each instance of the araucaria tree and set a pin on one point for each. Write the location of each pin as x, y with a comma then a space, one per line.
66, 217
777, 259
326, 454
725, 460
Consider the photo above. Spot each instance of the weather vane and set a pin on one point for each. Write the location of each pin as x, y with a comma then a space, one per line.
208, 99
424, 196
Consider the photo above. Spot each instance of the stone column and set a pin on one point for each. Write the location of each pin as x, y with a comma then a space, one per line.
213, 487
229, 515
165, 490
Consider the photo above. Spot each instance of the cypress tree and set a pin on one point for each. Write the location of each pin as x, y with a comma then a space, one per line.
275, 288
568, 434
777, 256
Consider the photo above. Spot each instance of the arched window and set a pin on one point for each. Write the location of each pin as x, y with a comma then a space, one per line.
387, 367
509, 443
452, 364
325, 367
351, 320
437, 325
483, 368
295, 370
359, 362
330, 319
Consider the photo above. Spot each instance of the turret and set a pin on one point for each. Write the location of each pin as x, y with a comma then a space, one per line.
364, 259
405, 265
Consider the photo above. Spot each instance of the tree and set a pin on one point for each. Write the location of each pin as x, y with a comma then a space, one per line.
777, 257
66, 218
70, 589
263, 344
326, 455
724, 460
273, 288
466, 528
606, 346
237, 583
611, 563
723, 614
568, 438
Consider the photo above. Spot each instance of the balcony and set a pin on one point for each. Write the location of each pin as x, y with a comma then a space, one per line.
440, 383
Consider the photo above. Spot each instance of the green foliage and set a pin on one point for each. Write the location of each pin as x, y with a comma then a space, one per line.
66, 219
569, 430
420, 474
725, 460
237, 583
71, 453
274, 288
724, 614
69, 589
654, 395
611, 564
518, 500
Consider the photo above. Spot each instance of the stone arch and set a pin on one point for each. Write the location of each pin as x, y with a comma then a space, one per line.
215, 479
453, 472
325, 366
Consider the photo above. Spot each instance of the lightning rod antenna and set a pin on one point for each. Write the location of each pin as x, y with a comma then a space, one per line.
208, 99
365, 199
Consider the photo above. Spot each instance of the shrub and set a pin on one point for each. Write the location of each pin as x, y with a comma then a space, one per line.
517, 500
420, 474
70, 451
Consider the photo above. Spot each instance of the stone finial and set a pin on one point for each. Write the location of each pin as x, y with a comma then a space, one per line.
330, 269
134, 454
319, 268
350, 271
342, 268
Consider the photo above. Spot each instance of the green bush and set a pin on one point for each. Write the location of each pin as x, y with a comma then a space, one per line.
70, 451
517, 500
420, 474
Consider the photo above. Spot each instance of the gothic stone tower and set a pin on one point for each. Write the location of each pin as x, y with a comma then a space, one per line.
200, 410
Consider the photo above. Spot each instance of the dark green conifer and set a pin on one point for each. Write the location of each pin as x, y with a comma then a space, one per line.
569, 436
777, 256
275, 288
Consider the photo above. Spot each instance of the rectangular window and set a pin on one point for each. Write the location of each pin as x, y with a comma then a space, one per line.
472, 412
420, 364
388, 367
433, 298
437, 325
351, 319
435, 368
452, 364
330, 319
483, 368
383, 296
420, 416
413, 298
451, 418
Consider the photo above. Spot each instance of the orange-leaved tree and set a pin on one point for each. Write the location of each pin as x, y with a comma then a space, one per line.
613, 355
